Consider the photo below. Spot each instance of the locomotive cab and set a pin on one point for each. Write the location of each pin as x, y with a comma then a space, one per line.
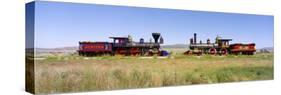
224, 43
120, 40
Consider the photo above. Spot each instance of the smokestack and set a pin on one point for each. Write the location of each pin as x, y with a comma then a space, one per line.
156, 37
191, 41
194, 38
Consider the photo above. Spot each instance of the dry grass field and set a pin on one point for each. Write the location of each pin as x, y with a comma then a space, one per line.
73, 73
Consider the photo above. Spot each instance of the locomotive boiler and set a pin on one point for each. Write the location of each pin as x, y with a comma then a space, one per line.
220, 47
123, 46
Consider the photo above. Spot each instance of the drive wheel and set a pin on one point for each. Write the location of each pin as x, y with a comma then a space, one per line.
223, 52
212, 51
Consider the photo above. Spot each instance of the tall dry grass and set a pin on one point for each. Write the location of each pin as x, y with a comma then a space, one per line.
108, 73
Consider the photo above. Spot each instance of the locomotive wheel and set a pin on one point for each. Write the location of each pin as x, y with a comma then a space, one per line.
223, 52
150, 53
83, 54
198, 52
80, 53
134, 51
87, 54
120, 51
212, 51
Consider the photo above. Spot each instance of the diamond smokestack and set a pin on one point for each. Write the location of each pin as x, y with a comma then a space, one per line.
156, 37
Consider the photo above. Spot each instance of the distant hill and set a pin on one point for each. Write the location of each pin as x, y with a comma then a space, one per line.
266, 49
62, 49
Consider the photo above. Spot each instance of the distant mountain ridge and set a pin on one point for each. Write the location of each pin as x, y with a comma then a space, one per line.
266, 49
62, 49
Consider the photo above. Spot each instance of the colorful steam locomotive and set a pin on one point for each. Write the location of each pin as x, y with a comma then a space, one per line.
123, 46
220, 47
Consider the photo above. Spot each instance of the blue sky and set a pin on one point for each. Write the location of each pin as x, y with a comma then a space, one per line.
65, 24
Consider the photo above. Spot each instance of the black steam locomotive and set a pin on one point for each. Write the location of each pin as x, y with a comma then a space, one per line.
123, 46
